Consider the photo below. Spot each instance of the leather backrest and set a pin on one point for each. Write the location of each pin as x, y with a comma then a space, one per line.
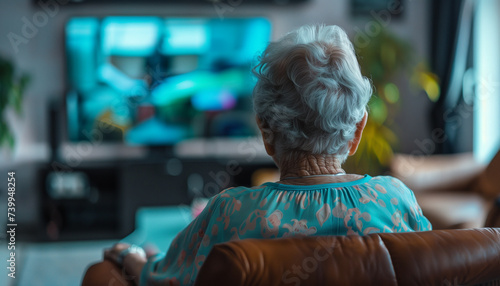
440, 257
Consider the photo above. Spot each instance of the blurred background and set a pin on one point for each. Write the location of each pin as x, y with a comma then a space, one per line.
119, 118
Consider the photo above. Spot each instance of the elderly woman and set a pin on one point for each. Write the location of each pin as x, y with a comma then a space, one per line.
310, 100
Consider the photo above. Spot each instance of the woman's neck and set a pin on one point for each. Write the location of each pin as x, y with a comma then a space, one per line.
304, 165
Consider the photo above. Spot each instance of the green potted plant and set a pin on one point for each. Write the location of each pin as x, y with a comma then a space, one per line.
383, 60
12, 87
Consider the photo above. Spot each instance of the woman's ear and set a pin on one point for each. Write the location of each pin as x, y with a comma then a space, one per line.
357, 135
269, 147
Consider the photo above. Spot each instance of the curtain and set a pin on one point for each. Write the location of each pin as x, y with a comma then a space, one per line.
451, 56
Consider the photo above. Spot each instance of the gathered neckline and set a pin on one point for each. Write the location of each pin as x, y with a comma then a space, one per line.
363, 180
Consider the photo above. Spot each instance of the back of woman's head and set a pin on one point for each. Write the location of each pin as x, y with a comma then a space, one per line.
310, 93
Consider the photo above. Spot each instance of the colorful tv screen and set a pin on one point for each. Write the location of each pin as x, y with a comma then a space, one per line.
159, 81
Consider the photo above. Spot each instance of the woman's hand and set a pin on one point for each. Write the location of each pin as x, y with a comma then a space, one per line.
132, 263
113, 253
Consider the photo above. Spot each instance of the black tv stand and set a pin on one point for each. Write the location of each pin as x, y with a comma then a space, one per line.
118, 188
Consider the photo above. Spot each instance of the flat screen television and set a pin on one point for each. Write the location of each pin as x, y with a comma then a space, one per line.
153, 81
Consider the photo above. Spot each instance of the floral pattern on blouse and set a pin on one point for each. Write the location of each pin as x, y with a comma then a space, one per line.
272, 210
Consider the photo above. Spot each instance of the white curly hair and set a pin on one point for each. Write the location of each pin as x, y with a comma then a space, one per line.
310, 92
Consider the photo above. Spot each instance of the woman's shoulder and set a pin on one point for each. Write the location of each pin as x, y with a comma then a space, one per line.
237, 193
389, 183
241, 190
383, 184
389, 180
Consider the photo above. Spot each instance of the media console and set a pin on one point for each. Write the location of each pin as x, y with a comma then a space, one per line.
99, 200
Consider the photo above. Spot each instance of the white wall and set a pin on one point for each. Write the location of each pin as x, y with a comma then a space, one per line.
43, 55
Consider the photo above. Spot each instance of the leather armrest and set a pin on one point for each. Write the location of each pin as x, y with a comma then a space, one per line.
437, 172
106, 273
493, 219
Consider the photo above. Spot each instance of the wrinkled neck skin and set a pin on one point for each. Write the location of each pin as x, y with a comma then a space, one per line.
301, 164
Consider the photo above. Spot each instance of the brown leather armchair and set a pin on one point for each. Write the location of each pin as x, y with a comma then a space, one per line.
440, 257
454, 191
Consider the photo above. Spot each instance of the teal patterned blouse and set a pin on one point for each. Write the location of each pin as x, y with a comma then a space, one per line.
273, 210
